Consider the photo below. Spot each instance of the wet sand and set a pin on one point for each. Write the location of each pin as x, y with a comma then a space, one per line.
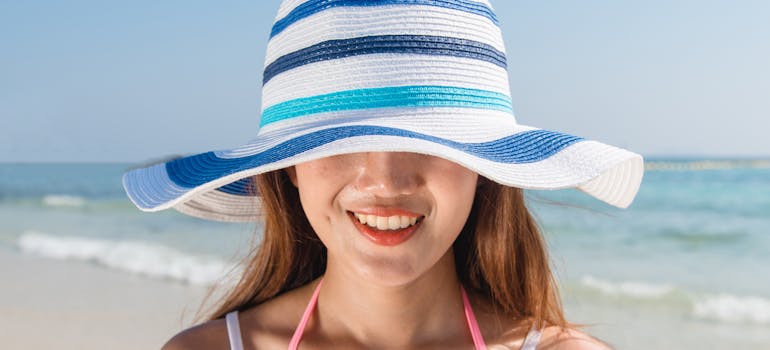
52, 304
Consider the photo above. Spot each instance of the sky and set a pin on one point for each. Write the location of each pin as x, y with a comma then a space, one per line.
136, 81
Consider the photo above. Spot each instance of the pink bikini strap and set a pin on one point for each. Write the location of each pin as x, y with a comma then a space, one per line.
478, 340
295, 339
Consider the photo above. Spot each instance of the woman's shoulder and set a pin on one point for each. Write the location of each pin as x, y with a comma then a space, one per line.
565, 338
208, 335
551, 338
509, 333
271, 322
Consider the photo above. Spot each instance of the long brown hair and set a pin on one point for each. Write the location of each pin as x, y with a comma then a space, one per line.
499, 254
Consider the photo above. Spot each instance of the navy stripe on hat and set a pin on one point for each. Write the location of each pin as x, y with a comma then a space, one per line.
408, 44
314, 6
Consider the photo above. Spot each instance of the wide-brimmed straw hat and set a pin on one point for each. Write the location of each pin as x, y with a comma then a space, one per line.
425, 76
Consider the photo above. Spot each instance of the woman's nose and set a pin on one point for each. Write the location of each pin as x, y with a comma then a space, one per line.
389, 174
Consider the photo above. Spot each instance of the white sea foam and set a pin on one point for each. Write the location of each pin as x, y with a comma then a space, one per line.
58, 200
630, 289
732, 308
141, 258
723, 308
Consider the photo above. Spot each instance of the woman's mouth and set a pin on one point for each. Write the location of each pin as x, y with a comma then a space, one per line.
386, 230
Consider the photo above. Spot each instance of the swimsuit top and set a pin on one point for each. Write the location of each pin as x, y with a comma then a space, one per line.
236, 343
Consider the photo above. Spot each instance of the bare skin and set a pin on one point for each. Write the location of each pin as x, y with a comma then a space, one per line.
381, 297
271, 325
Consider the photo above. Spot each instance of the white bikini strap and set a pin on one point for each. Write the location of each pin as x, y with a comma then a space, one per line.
532, 339
234, 330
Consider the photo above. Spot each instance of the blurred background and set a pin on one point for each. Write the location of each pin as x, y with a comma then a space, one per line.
89, 89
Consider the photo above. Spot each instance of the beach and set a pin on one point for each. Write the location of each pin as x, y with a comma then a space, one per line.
682, 268
84, 306
47, 304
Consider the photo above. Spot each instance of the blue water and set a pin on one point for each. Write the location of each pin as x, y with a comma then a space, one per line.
707, 229
94, 206
693, 247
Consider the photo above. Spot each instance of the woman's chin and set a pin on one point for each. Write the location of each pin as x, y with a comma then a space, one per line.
394, 270
387, 271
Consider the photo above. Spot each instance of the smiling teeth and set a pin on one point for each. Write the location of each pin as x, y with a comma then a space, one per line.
395, 222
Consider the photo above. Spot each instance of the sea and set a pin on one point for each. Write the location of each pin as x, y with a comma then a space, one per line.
685, 267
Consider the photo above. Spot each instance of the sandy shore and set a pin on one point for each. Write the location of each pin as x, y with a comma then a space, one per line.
52, 304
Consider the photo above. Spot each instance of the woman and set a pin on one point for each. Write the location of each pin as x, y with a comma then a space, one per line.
388, 171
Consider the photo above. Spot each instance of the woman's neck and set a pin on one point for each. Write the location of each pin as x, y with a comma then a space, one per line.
428, 310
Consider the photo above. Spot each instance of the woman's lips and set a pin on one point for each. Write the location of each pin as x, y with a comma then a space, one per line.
384, 211
386, 237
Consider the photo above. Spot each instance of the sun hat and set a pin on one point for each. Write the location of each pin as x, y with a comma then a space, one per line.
425, 76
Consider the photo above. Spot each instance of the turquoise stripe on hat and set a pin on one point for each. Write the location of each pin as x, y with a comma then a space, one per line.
400, 96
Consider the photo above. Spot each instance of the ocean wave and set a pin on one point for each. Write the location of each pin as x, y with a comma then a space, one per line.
151, 260
58, 200
723, 308
628, 289
733, 309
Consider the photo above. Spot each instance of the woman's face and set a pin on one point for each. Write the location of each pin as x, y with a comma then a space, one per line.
413, 206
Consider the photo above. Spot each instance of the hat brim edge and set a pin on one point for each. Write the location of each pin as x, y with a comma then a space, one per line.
605, 182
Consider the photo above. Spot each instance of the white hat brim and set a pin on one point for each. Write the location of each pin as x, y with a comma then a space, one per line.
216, 185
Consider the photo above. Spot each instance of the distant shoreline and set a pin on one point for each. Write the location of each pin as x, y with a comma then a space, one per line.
707, 164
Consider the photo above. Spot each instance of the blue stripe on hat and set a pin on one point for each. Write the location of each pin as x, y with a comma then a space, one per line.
399, 96
242, 187
525, 147
404, 44
314, 6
